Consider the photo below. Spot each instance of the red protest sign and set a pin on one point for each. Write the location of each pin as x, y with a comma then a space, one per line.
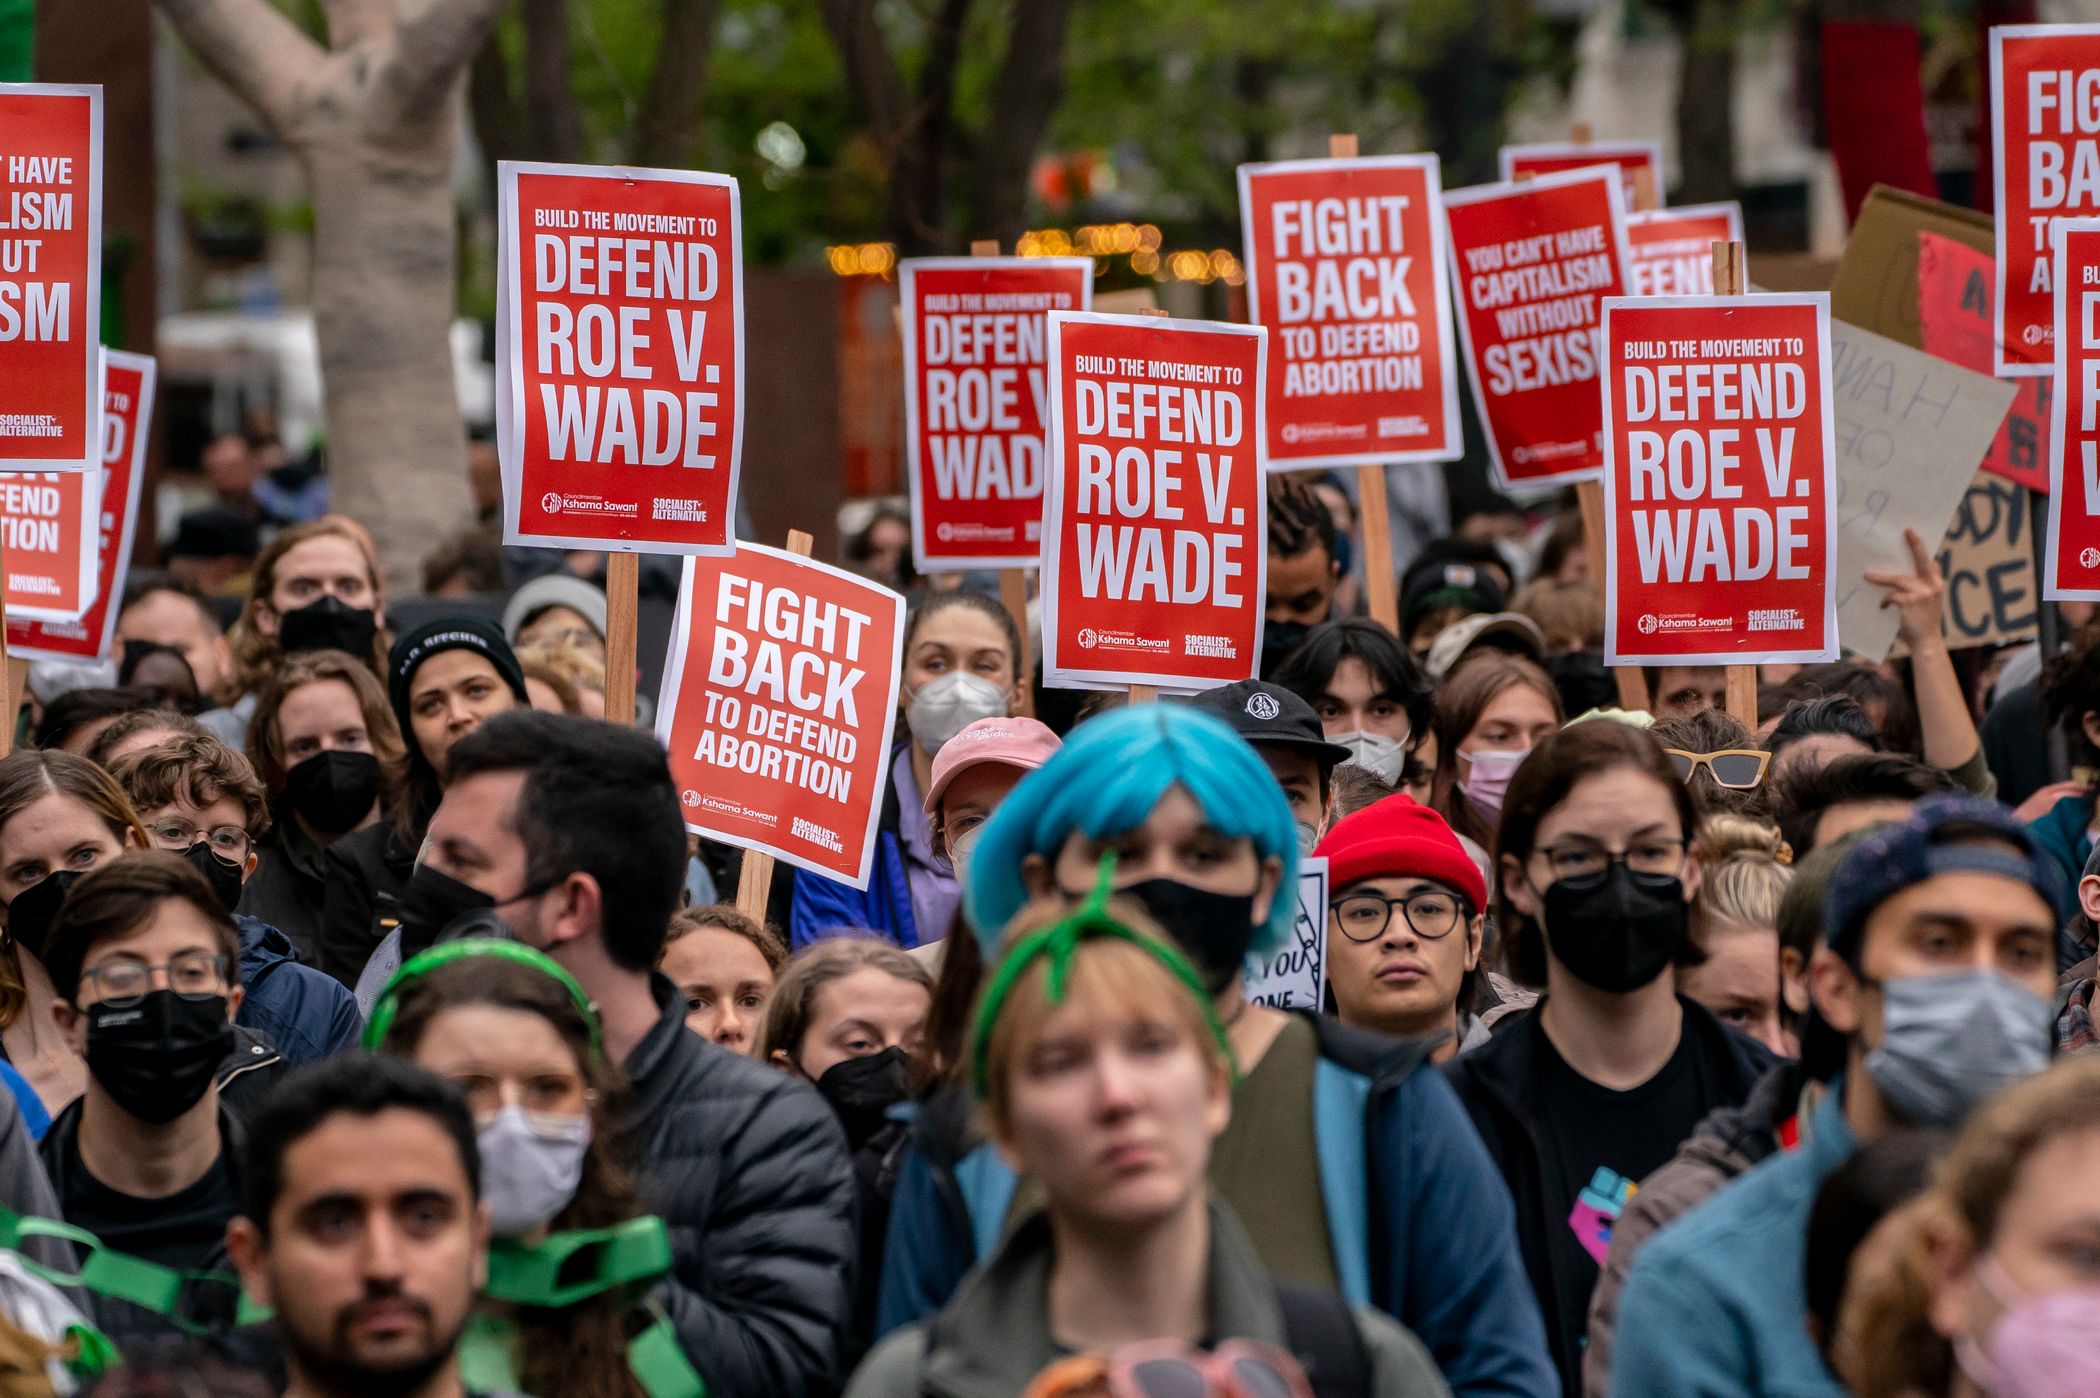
620, 372
1639, 164
1670, 252
111, 498
50, 276
1155, 517
975, 385
47, 522
1955, 296
778, 700
2071, 565
1345, 266
2045, 165
1533, 261
1720, 483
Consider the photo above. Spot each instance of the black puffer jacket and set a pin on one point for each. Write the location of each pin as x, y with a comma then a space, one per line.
749, 1171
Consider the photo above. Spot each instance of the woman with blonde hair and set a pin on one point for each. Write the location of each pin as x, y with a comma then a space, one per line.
316, 587
1106, 1074
1735, 926
1995, 1290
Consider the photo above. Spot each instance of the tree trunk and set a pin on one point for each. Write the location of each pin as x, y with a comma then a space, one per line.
667, 125
1706, 103
375, 122
1031, 84
384, 273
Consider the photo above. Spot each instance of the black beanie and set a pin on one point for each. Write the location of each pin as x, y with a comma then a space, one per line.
448, 633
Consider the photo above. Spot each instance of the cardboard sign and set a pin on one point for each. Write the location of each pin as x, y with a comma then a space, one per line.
620, 357
1721, 453
1910, 430
50, 277
1955, 294
1294, 976
1988, 559
2045, 165
1876, 283
1639, 164
2071, 569
1533, 263
1346, 266
975, 385
1670, 252
1155, 522
778, 700
127, 417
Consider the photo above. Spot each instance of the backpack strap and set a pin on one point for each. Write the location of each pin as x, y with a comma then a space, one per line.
1320, 1331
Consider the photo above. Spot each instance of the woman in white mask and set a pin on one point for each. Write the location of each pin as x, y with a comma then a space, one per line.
1490, 712
519, 1037
961, 664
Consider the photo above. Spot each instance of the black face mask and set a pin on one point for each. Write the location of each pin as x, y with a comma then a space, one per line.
224, 878
1213, 929
29, 917
1279, 639
436, 907
862, 1090
1583, 681
156, 1058
329, 624
1620, 933
332, 791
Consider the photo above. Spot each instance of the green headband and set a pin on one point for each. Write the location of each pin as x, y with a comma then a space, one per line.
445, 953
1059, 941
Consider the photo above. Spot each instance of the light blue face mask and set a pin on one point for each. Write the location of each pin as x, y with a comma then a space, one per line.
1949, 1041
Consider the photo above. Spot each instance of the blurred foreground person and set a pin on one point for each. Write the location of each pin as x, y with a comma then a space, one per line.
1106, 1075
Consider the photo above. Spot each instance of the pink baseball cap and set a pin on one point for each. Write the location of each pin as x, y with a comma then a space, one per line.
1022, 743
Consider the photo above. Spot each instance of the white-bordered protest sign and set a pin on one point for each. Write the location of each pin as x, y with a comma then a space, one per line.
620, 360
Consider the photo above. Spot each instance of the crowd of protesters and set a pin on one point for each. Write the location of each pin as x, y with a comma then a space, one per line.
370, 1023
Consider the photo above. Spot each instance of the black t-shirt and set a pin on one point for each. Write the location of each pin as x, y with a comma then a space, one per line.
1599, 1144
186, 1229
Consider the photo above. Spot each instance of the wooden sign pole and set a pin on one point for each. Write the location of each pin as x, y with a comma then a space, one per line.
622, 583
1729, 280
1013, 582
1381, 588
755, 880
1645, 197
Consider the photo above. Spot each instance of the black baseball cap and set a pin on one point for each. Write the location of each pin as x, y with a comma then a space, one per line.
1268, 715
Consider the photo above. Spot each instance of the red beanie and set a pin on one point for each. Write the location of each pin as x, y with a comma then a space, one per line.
1397, 838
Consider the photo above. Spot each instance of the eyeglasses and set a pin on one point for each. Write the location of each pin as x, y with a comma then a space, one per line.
193, 975
1582, 866
1363, 917
1738, 769
1235, 1369
229, 842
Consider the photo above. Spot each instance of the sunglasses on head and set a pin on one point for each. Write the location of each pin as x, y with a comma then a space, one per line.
1172, 1369
1739, 769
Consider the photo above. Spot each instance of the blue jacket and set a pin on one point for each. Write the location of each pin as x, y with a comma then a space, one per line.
2061, 832
1716, 1303
307, 1014
823, 906
1420, 1223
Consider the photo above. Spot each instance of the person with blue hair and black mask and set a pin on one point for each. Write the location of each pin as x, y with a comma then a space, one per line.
1349, 1158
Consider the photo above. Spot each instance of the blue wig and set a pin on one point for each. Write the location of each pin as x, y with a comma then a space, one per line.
1105, 781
